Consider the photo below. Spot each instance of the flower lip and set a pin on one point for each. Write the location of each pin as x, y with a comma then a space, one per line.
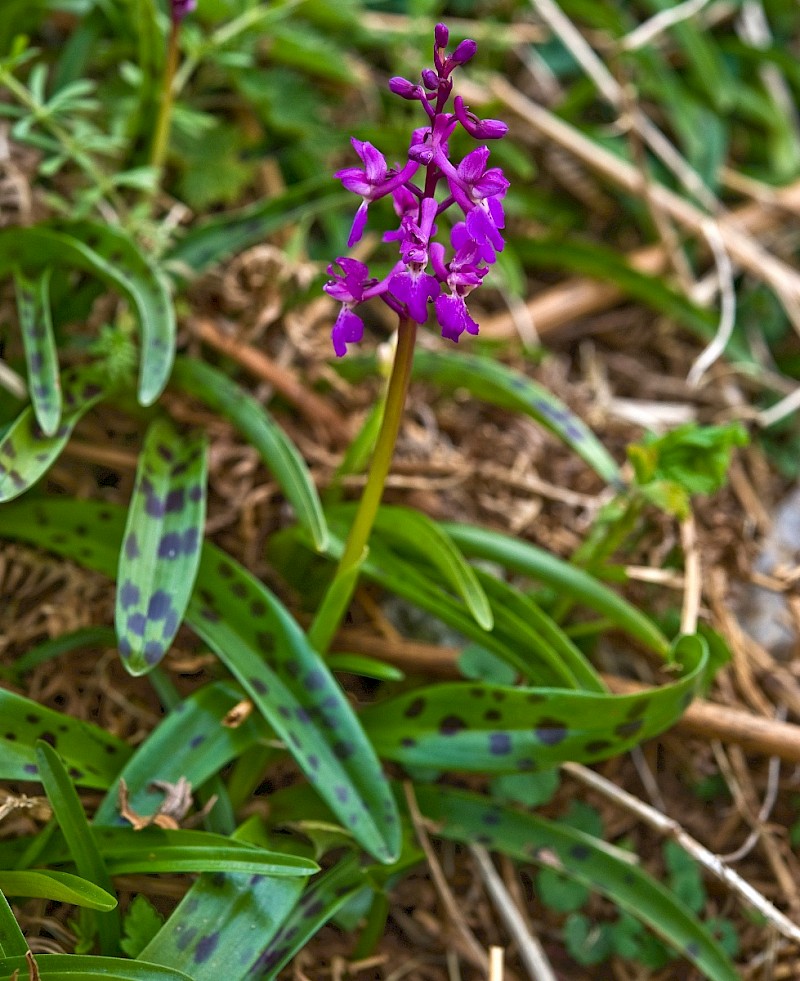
481, 129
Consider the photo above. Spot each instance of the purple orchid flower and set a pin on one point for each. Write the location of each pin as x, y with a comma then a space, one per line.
473, 186
180, 9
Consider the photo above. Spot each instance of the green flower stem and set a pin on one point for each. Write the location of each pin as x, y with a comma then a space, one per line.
341, 589
158, 151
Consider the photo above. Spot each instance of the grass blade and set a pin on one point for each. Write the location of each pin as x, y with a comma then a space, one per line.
75, 828
259, 428
33, 309
161, 551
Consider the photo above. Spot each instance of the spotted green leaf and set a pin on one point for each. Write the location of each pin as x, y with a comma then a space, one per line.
417, 532
463, 816
26, 453
69, 813
78, 967
44, 385
61, 887
161, 548
263, 647
191, 742
254, 422
500, 729
221, 926
92, 755
111, 255
323, 898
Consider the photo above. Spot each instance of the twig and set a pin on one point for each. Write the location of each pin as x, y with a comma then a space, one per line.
531, 951
467, 942
671, 829
660, 22
496, 966
692, 577
727, 310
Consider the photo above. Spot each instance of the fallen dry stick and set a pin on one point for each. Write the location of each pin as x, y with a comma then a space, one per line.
755, 734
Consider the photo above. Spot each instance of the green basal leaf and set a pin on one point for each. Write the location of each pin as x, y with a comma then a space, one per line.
497, 729
93, 756
161, 547
44, 385
26, 453
261, 644
111, 255
463, 816
151, 850
222, 926
254, 422
12, 940
61, 887
528, 560
77, 967
417, 532
191, 742
71, 819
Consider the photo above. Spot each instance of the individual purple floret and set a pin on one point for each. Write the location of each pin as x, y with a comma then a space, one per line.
180, 8
424, 274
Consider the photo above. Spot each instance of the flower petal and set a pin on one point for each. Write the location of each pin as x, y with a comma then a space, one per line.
348, 329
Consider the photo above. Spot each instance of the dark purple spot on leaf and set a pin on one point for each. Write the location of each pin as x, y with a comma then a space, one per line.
580, 852
49, 738
225, 570
407, 742
415, 708
551, 731
313, 761
159, 605
175, 500
190, 540
170, 545
342, 793
197, 740
132, 546
598, 746
492, 715
30, 768
153, 651
259, 686
315, 680
239, 589
154, 506
626, 729
195, 492
343, 750
33, 718
185, 935
499, 743
451, 724
136, 624
284, 712
258, 608
129, 594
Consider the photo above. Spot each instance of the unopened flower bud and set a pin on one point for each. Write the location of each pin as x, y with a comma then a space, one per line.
180, 8
405, 89
441, 34
430, 79
464, 52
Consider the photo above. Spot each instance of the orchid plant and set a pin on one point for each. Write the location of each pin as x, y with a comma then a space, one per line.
470, 187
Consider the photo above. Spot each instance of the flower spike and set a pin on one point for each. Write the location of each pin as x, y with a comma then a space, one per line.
423, 276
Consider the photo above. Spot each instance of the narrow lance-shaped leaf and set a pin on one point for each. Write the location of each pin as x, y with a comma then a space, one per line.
92, 755
262, 645
191, 742
221, 926
467, 817
415, 530
68, 811
26, 453
499, 729
12, 939
78, 967
254, 422
112, 256
161, 548
33, 309
151, 850
61, 887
